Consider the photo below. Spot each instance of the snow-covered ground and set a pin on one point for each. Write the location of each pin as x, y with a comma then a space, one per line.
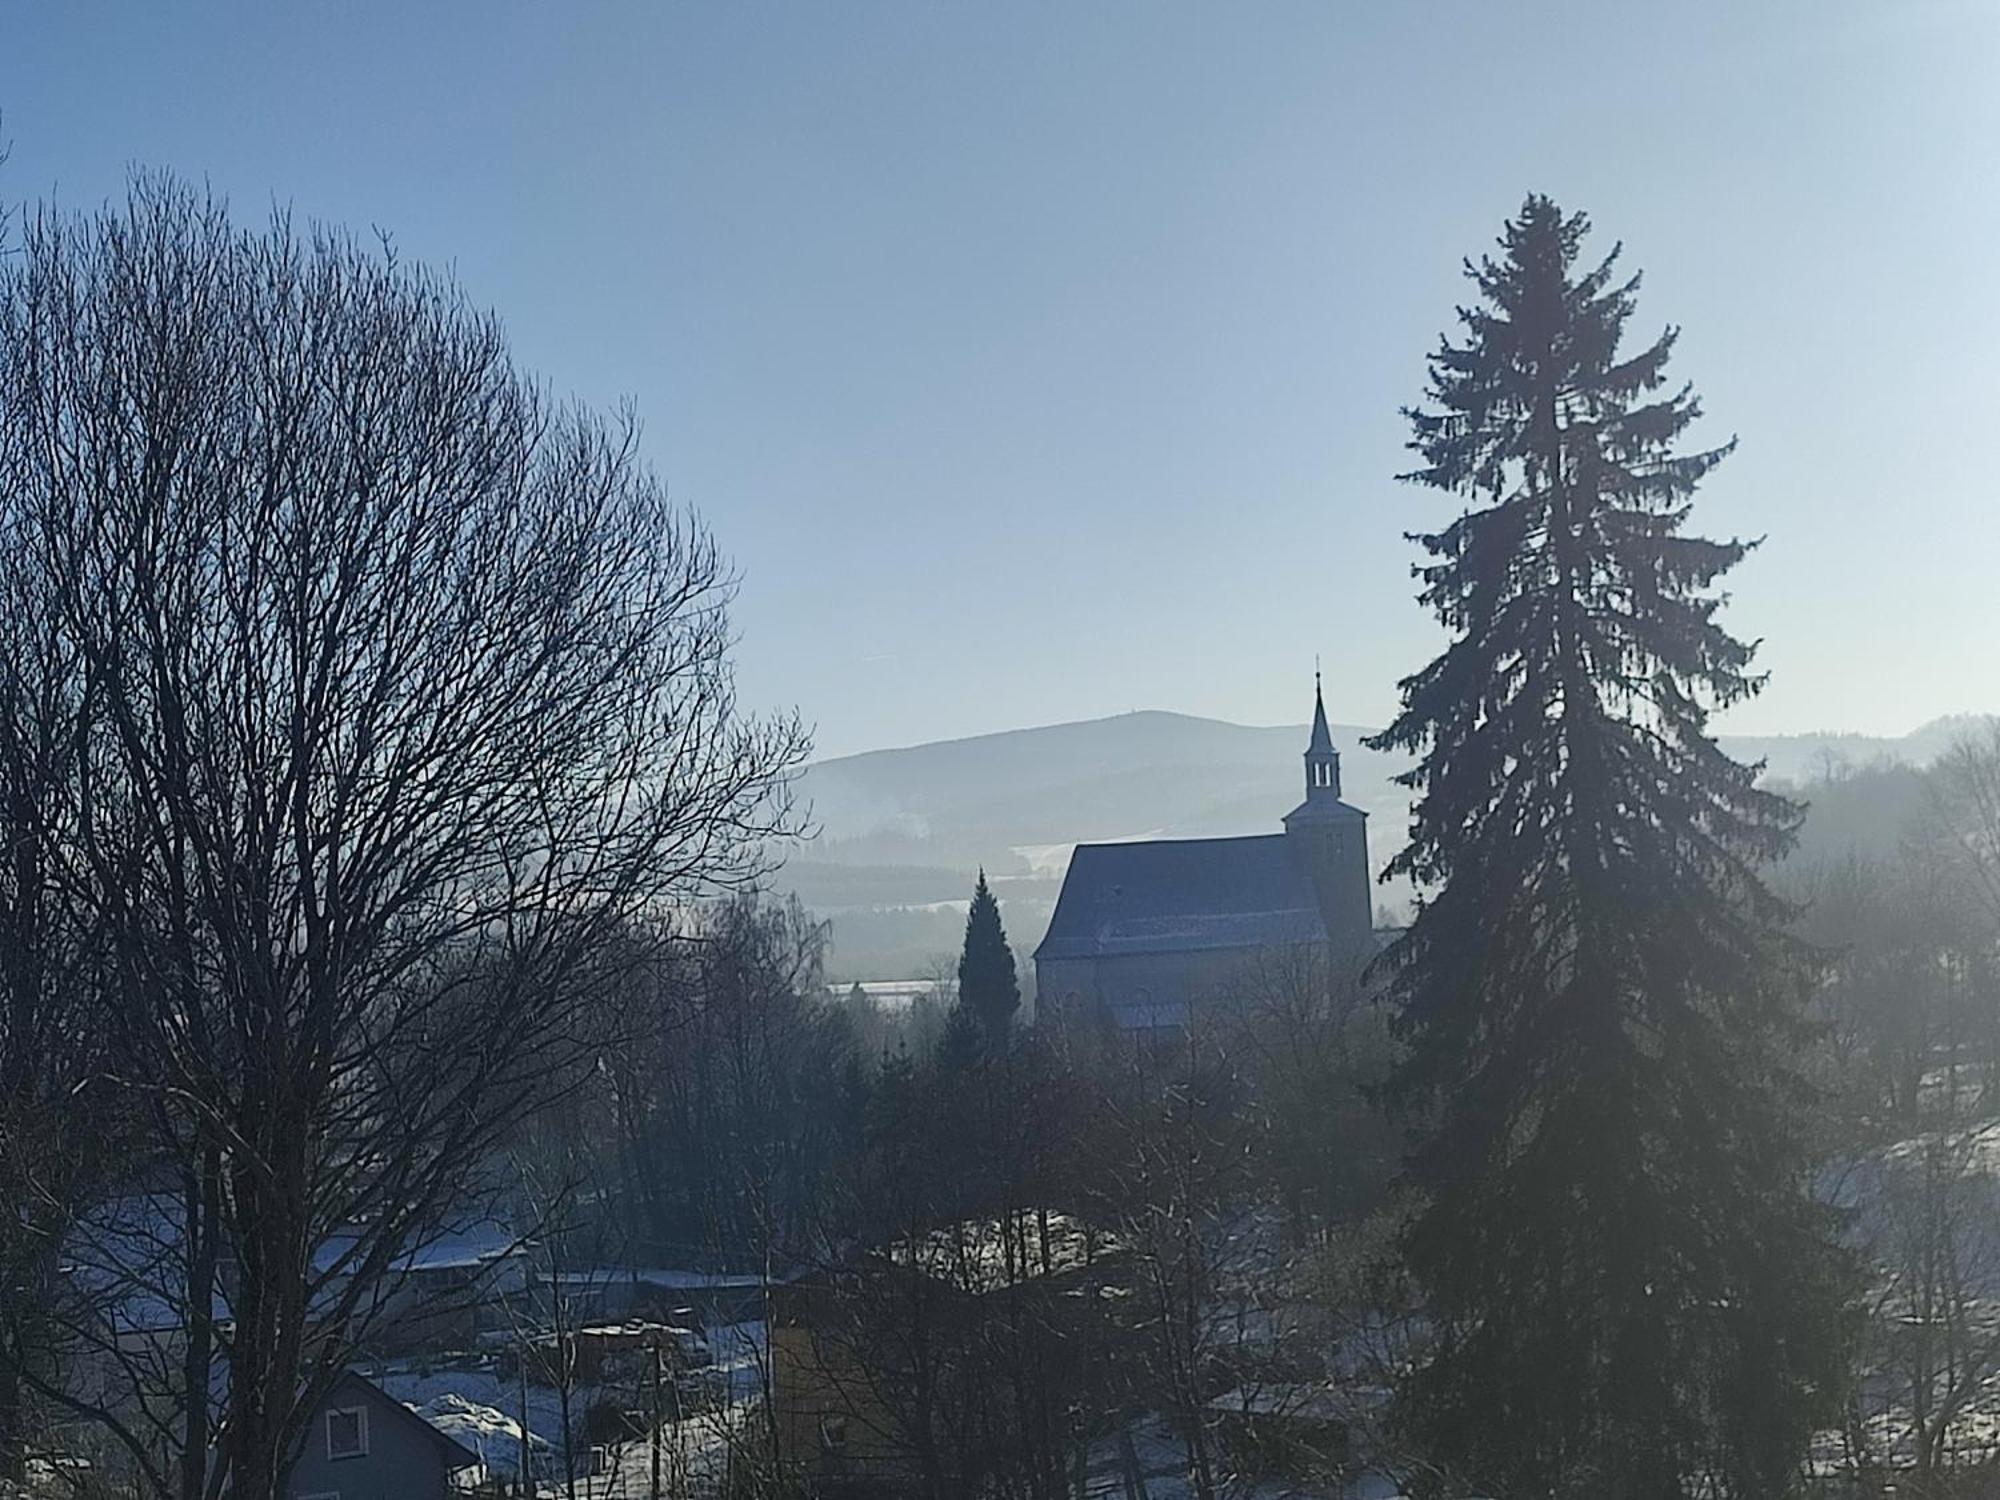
473, 1403
1926, 1211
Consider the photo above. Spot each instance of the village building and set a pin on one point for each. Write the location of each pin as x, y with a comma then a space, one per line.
883, 1373
362, 1444
1144, 930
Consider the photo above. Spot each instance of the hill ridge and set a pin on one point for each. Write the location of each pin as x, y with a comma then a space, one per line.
904, 828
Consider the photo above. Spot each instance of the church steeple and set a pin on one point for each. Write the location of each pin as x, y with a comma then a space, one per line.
1331, 838
1322, 760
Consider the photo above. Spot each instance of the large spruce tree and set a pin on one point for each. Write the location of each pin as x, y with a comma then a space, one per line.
1632, 1290
988, 990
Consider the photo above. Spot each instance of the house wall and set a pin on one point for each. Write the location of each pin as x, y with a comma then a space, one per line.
401, 1462
442, 1307
818, 1386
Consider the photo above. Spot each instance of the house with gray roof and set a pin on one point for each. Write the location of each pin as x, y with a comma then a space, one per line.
363, 1444
1143, 930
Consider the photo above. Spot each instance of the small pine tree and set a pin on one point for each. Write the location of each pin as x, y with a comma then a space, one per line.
988, 989
1633, 1292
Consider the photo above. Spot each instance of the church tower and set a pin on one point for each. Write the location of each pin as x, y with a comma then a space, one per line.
1332, 839
1322, 760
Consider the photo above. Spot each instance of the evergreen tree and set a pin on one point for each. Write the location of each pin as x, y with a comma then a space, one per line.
963, 1042
988, 990
1632, 1290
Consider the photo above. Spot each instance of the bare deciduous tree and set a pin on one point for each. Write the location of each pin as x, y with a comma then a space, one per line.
404, 692
52, 1033
1965, 812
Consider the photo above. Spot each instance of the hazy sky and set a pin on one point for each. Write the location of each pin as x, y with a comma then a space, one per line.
1036, 362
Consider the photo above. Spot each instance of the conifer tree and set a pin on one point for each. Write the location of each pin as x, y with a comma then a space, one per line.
1632, 1290
988, 990
962, 1042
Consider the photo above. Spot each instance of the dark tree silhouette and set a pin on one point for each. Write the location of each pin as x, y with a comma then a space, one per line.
404, 706
56, 1137
1633, 1293
988, 990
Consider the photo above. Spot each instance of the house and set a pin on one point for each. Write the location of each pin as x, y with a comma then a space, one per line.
363, 1445
450, 1284
707, 1299
1143, 930
885, 1371
836, 1426
121, 1298
126, 1259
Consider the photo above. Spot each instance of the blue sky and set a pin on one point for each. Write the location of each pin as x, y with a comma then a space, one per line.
1036, 362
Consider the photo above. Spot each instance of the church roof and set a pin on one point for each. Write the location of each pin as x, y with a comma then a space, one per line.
1183, 895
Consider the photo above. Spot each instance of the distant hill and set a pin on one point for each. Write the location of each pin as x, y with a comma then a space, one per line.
902, 832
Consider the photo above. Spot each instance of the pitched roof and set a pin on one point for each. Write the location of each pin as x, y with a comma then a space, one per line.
454, 1453
452, 1245
1183, 895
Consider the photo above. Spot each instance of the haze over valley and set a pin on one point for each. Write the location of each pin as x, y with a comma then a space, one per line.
902, 833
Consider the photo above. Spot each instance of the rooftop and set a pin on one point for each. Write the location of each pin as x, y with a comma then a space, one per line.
1184, 895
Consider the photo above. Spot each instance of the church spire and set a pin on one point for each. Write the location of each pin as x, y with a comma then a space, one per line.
1322, 760
1322, 737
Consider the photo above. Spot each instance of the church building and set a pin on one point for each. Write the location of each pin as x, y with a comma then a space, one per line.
1143, 930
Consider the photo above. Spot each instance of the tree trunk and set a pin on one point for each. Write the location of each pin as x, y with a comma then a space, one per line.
203, 1209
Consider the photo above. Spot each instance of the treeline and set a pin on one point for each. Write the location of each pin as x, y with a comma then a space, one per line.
1020, 1242
1906, 929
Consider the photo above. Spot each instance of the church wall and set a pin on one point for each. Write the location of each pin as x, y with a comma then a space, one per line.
1084, 991
1339, 864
